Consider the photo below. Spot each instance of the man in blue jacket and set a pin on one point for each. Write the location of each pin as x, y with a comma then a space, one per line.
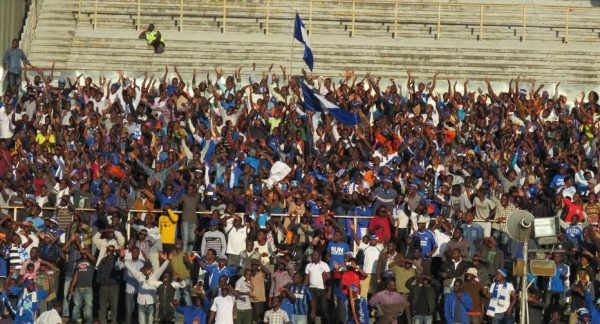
194, 313
457, 304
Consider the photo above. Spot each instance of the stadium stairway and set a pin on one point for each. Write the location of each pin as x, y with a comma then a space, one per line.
458, 52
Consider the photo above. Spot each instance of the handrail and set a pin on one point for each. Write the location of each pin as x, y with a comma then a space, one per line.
354, 12
354, 218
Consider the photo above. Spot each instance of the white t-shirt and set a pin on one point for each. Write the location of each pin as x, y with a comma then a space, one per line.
442, 240
223, 307
315, 272
243, 301
236, 240
370, 261
49, 317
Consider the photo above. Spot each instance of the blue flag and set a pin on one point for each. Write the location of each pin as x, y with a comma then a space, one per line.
302, 36
315, 102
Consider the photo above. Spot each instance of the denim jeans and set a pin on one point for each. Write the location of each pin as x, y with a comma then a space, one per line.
83, 297
129, 307
188, 235
65, 312
502, 318
146, 314
185, 293
423, 319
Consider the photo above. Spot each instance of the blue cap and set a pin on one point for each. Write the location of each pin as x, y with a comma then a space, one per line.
373, 237
62, 81
214, 222
162, 157
502, 272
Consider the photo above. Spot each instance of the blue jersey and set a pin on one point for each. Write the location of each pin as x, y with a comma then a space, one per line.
574, 233
215, 274
303, 298
337, 252
427, 243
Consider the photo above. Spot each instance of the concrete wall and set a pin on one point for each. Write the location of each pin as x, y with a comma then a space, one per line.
12, 13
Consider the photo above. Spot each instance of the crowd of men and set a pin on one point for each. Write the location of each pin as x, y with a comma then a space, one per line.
226, 200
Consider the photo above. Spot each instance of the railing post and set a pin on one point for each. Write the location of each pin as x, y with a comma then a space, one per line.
396, 19
567, 25
268, 16
524, 22
180, 15
481, 22
79, 11
95, 14
439, 20
354, 219
139, 9
310, 10
14, 214
353, 15
128, 226
224, 15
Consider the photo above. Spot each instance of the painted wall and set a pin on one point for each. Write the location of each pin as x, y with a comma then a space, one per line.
12, 13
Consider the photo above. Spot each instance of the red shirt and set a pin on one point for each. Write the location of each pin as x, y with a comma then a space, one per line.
350, 278
573, 209
385, 232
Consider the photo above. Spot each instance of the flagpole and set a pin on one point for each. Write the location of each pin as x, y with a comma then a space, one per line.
292, 52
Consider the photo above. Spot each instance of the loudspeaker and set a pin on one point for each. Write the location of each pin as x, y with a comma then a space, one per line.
519, 224
542, 268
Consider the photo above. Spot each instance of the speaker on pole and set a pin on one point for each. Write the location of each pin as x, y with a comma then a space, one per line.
519, 225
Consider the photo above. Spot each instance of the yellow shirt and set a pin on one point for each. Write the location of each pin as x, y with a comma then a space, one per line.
167, 227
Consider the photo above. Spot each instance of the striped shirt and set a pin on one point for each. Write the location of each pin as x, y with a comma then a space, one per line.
303, 297
16, 255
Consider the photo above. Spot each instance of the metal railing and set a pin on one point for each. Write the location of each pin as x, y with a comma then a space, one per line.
487, 225
355, 16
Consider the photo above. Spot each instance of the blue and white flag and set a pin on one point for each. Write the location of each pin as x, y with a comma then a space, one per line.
302, 36
316, 102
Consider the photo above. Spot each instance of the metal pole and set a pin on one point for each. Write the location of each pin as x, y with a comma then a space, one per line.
95, 14
353, 15
139, 9
224, 14
396, 19
180, 15
14, 214
355, 229
523, 319
439, 19
79, 11
268, 16
524, 22
128, 226
481, 22
567, 25
310, 10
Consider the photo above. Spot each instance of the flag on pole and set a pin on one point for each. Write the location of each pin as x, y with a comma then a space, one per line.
316, 102
302, 36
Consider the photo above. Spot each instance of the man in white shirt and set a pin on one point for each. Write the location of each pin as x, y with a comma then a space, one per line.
6, 126
502, 298
221, 311
135, 260
371, 254
318, 274
236, 241
148, 283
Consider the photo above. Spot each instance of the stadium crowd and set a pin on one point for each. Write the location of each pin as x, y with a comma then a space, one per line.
240, 197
